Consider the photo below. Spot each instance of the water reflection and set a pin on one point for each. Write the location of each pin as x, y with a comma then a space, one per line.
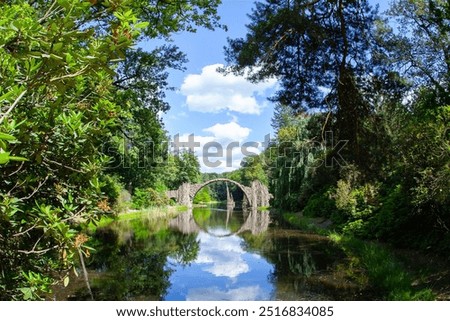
246, 293
221, 222
131, 262
214, 254
223, 269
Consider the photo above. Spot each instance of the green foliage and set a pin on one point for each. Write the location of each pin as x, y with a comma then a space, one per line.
37, 284
356, 205
425, 49
111, 188
141, 198
309, 47
65, 113
144, 198
293, 159
6, 156
188, 168
320, 205
394, 210
387, 275
254, 169
383, 88
203, 196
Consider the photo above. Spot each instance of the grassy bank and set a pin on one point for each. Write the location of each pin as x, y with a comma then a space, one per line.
305, 223
164, 212
385, 273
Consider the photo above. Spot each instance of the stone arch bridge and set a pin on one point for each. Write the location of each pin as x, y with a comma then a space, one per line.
256, 195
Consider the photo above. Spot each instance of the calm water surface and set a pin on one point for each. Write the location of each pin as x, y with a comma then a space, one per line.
213, 254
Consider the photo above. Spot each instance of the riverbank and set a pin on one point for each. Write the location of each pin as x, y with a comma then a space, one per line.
160, 212
145, 258
393, 273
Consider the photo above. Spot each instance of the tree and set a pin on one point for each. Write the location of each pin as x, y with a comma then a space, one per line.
295, 158
62, 98
188, 168
57, 101
253, 168
319, 51
203, 196
418, 48
411, 123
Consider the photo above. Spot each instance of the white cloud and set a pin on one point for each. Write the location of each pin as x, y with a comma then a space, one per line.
230, 269
224, 147
230, 131
213, 92
222, 256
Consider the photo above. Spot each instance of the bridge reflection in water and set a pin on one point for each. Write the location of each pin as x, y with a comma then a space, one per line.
254, 221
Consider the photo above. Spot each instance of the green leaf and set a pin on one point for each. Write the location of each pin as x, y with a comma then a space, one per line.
7, 95
75, 271
27, 293
58, 46
7, 137
141, 25
56, 57
4, 158
18, 158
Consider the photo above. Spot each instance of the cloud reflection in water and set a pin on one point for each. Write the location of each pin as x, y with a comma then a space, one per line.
246, 293
223, 256
223, 270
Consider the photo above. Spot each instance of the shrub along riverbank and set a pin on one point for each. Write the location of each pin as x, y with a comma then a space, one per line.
393, 276
158, 212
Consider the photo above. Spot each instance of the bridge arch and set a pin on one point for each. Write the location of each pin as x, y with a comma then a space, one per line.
257, 194
195, 188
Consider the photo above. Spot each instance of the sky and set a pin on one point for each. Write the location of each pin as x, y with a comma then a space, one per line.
228, 116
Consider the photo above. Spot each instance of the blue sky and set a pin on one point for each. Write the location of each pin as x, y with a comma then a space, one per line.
215, 108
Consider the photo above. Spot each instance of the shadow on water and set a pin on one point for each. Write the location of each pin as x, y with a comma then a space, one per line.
213, 254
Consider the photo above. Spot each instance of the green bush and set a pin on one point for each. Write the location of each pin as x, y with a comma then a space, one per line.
203, 196
320, 205
111, 188
392, 213
144, 198
357, 206
387, 274
358, 228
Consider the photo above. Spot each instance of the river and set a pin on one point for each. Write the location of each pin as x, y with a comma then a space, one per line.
213, 253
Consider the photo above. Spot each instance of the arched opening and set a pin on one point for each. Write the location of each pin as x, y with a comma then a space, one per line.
222, 190
223, 214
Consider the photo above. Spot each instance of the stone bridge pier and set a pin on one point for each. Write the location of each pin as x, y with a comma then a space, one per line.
256, 195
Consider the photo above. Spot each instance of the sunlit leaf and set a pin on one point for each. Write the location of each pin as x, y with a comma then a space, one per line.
4, 157
66, 281
18, 158
7, 137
